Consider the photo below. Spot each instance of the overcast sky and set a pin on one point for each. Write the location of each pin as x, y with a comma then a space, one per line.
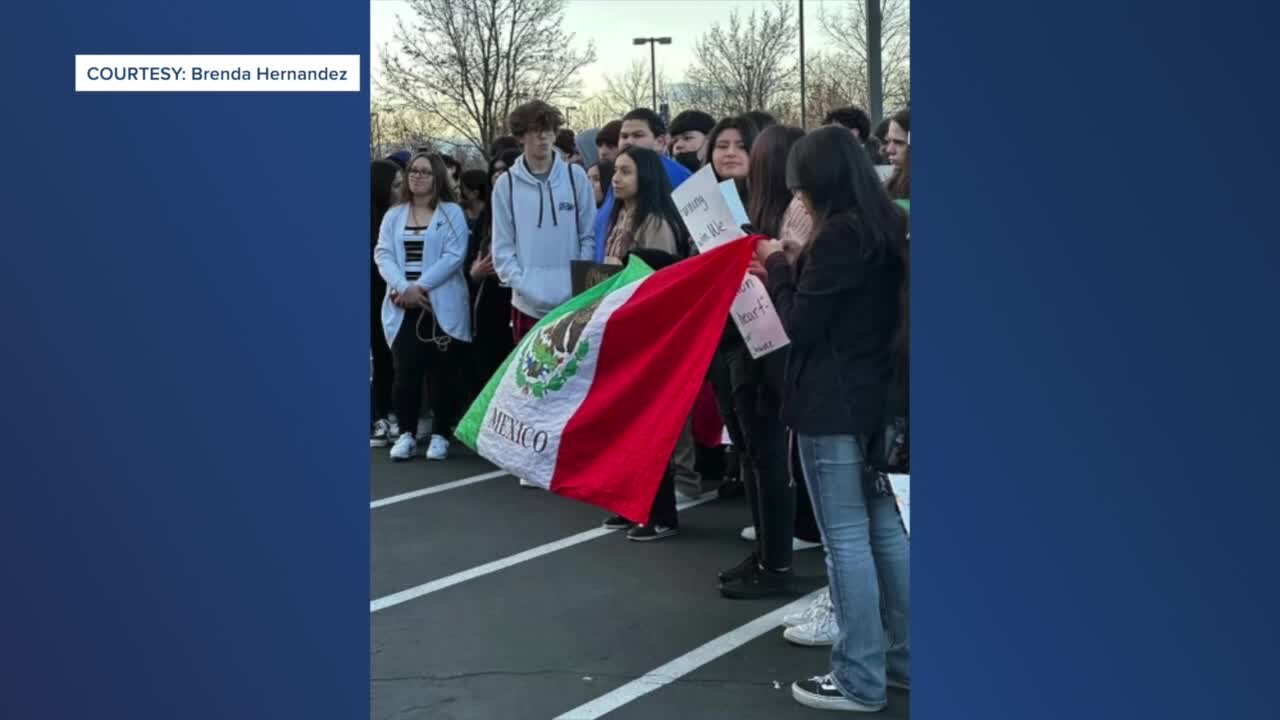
613, 23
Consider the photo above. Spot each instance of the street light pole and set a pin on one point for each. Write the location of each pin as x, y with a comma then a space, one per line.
875, 77
804, 125
653, 61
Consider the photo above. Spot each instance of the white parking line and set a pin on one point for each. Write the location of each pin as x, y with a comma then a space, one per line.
436, 489
448, 581
686, 663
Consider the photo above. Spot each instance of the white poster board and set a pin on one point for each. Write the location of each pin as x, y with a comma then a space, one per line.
729, 191
902, 494
706, 212
756, 318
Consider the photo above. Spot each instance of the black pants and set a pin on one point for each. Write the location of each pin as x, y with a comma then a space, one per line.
383, 367
769, 489
416, 359
487, 352
663, 511
750, 409
806, 522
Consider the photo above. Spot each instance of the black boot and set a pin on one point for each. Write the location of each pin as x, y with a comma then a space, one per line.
760, 583
746, 567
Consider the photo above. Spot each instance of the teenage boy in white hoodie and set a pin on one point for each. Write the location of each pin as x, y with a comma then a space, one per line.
544, 213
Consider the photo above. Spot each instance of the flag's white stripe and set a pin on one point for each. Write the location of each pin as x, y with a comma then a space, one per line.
685, 664
383, 502
551, 412
489, 568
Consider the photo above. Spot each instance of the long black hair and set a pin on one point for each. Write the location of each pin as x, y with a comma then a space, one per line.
835, 173
604, 169
748, 130
653, 196
383, 174
767, 178
507, 158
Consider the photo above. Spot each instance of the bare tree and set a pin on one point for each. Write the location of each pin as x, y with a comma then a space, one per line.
632, 88
835, 79
595, 111
467, 63
403, 130
745, 64
847, 30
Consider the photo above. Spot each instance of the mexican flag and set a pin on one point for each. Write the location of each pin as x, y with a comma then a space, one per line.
590, 403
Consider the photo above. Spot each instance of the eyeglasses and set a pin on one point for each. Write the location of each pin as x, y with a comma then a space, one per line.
419, 173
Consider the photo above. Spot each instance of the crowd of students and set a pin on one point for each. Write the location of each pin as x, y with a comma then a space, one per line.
466, 262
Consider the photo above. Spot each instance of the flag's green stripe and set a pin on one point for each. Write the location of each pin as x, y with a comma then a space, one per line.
469, 429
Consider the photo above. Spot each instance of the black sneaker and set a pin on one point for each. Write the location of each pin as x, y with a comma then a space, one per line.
645, 533
821, 693
758, 582
617, 522
743, 568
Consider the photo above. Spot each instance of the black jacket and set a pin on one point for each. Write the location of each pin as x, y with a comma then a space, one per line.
840, 310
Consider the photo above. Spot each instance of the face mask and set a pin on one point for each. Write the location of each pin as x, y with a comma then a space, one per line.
689, 160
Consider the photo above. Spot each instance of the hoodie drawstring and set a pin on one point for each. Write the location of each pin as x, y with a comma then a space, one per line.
554, 220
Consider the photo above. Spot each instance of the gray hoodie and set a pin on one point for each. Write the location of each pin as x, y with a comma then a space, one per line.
538, 228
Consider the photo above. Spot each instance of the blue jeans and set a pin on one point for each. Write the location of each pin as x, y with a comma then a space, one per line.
868, 566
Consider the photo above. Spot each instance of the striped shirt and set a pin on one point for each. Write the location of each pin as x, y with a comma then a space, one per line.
413, 251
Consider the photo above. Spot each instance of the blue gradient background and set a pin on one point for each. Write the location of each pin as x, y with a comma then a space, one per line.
183, 288
1095, 351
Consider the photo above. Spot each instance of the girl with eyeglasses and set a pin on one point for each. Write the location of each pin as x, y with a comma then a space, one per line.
426, 313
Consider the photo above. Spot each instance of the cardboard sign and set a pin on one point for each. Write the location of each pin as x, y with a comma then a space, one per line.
705, 212
585, 274
757, 320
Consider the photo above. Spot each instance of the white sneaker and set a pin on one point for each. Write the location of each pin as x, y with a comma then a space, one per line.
820, 606
749, 534
820, 632
797, 544
404, 447
528, 484
381, 434
438, 449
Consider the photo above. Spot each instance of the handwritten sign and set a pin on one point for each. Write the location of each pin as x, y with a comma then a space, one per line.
757, 320
705, 212
705, 207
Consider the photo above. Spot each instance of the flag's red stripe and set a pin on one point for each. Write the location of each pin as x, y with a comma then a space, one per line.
653, 357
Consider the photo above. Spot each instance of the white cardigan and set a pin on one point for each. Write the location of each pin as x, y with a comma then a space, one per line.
444, 250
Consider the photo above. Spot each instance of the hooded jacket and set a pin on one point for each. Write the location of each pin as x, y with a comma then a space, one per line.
444, 247
538, 228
